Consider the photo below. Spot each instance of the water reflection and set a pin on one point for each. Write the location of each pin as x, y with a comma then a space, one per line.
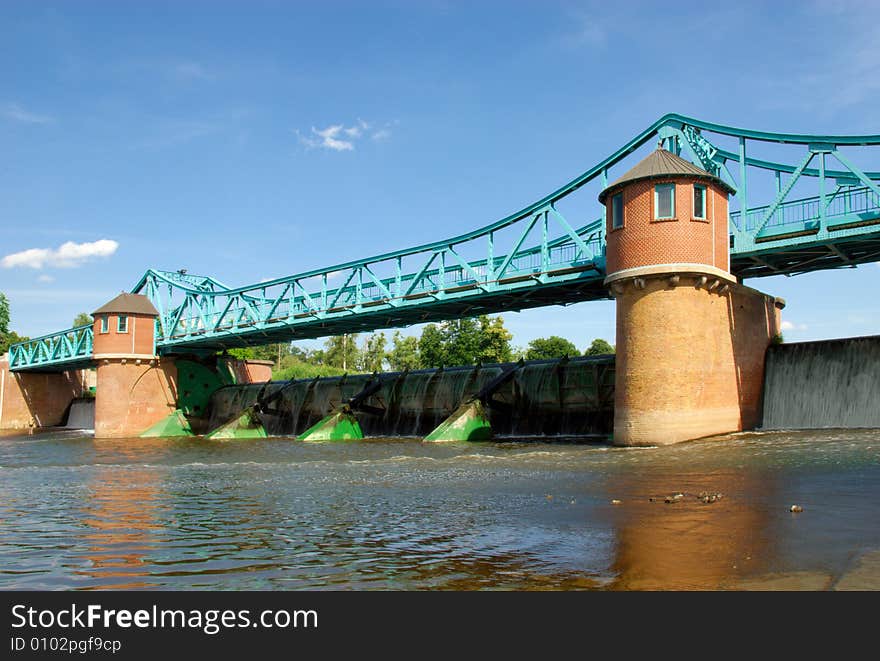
122, 526
688, 543
399, 514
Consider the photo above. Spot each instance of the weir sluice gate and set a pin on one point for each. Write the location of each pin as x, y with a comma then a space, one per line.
567, 397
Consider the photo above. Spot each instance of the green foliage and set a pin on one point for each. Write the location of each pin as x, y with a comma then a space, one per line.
342, 351
242, 353
494, 345
82, 319
296, 369
465, 342
372, 357
404, 354
543, 348
599, 347
777, 339
10, 338
7, 337
432, 352
4, 314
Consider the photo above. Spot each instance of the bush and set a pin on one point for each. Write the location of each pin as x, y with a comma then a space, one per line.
301, 370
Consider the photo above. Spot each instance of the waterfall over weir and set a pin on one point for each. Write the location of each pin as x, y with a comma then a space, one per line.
814, 385
548, 398
81, 414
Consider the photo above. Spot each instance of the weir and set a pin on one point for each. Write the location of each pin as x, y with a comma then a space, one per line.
669, 249
543, 398
81, 414
831, 383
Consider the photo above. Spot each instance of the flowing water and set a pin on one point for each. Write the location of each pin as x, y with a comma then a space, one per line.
830, 383
543, 398
76, 513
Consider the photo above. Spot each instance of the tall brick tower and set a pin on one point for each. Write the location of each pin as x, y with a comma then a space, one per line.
135, 388
690, 339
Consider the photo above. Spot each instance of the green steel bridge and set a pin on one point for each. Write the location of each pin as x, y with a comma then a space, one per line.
819, 210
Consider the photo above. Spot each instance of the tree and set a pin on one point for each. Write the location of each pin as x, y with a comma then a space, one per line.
599, 347
404, 354
465, 342
342, 351
7, 337
372, 358
494, 341
4, 314
462, 341
543, 348
432, 350
83, 319
10, 338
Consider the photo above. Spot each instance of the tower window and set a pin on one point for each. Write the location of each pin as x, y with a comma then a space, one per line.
664, 201
700, 202
617, 211
105, 324
122, 324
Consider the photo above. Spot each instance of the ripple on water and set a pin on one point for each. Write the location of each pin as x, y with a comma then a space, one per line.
76, 513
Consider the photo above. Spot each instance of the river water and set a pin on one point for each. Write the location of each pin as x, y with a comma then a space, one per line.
76, 513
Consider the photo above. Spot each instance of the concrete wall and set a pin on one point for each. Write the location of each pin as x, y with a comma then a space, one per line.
29, 400
643, 241
690, 362
132, 395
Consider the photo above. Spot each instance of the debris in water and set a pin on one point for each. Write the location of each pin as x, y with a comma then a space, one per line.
796, 509
618, 502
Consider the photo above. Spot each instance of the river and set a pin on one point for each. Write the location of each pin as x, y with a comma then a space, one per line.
182, 514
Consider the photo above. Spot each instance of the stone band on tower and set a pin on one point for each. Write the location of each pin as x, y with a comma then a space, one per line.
690, 339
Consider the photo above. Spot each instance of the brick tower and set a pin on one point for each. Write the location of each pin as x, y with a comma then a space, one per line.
135, 389
690, 339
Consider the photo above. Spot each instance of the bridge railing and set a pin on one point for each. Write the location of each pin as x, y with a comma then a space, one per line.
444, 274
841, 203
73, 345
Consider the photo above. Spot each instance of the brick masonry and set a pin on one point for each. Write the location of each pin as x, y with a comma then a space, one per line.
29, 400
690, 348
643, 241
132, 395
690, 362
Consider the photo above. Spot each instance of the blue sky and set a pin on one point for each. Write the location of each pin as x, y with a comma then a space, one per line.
201, 135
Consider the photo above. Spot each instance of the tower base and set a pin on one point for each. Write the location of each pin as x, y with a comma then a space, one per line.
690, 356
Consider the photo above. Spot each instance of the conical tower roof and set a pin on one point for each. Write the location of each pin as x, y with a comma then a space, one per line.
128, 304
662, 164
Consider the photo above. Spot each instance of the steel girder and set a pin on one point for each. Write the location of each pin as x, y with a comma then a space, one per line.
838, 226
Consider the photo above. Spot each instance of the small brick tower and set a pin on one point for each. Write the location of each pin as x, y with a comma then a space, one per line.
134, 388
690, 339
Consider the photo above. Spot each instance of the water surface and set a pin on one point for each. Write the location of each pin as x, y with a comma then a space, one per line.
76, 513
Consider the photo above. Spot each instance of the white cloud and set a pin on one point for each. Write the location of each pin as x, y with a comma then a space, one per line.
339, 137
67, 255
788, 326
327, 139
16, 113
45, 277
